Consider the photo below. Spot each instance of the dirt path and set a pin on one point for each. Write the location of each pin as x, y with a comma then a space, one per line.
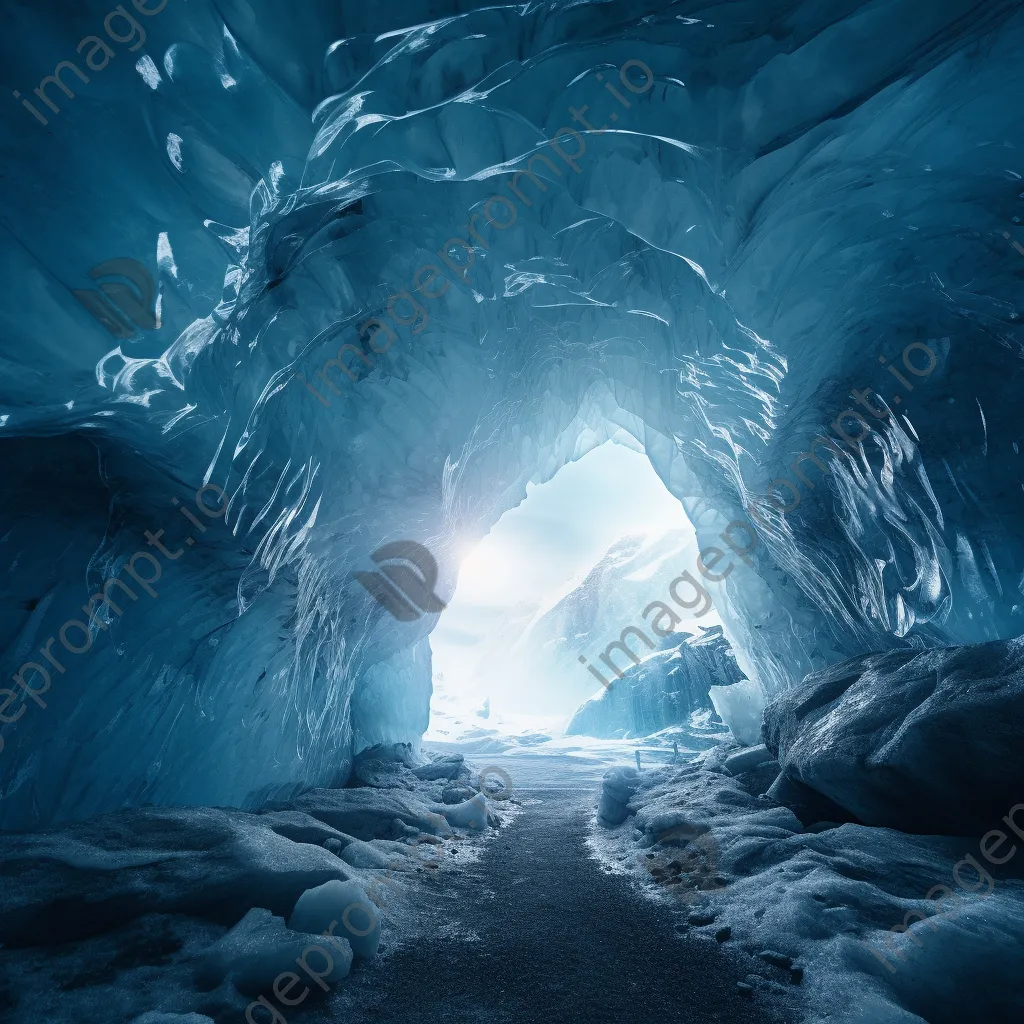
536, 931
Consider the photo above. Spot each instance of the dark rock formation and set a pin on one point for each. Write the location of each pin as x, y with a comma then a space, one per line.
925, 742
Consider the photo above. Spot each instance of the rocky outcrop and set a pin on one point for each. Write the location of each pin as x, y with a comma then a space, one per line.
925, 741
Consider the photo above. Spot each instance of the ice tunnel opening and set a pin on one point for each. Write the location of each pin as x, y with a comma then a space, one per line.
557, 577
399, 272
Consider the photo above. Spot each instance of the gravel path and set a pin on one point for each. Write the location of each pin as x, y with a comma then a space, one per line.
536, 931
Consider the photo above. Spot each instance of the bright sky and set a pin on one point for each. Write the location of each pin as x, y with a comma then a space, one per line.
540, 549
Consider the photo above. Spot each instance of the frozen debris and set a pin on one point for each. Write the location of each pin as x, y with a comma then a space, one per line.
875, 924
371, 813
303, 828
341, 908
365, 855
444, 766
86, 877
470, 814
456, 793
261, 948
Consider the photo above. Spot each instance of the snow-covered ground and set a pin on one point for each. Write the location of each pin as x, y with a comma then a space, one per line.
458, 725
155, 914
878, 926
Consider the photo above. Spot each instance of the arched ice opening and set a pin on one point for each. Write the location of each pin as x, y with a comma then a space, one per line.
719, 273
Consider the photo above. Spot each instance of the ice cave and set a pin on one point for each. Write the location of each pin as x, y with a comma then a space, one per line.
512, 511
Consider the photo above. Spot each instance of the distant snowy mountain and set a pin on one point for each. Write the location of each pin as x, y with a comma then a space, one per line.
669, 688
537, 653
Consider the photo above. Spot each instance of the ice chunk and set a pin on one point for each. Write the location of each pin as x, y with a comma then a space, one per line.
471, 814
341, 908
748, 758
302, 828
364, 855
445, 766
741, 706
260, 948
617, 786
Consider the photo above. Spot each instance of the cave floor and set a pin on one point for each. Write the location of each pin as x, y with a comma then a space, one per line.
536, 930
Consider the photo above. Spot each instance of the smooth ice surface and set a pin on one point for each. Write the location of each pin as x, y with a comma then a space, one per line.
341, 908
795, 199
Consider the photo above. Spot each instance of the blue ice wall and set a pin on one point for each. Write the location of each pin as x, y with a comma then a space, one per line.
774, 204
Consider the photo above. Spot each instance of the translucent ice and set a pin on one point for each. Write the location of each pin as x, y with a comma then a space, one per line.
741, 706
341, 908
773, 233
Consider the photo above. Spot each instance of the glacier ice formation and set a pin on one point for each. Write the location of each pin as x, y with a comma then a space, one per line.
667, 688
778, 206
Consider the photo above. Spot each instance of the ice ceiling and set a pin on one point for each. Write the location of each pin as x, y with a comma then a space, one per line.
786, 199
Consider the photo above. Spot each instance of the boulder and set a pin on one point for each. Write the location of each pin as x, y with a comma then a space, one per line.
371, 813
748, 758
759, 780
444, 766
302, 828
456, 793
364, 855
920, 741
807, 804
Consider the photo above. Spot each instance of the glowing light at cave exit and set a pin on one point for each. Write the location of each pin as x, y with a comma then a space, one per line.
536, 554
